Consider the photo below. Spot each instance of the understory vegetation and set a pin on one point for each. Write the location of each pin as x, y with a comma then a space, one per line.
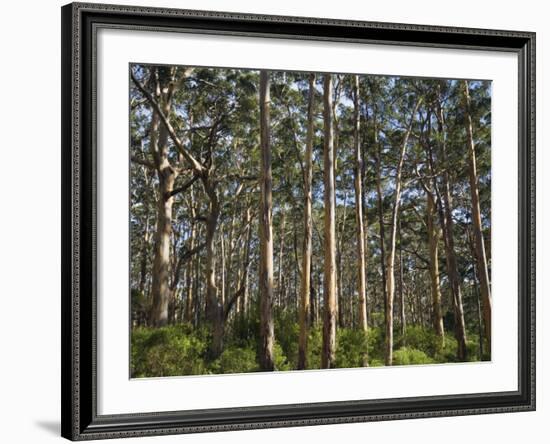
178, 350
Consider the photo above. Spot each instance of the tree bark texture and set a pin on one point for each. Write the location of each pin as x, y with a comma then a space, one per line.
329, 293
267, 337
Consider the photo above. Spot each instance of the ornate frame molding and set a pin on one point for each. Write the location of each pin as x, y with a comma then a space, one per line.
79, 413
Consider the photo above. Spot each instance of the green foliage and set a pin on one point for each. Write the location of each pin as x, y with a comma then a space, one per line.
288, 332
237, 360
376, 319
448, 351
280, 359
243, 331
472, 348
410, 356
182, 350
375, 338
376, 363
351, 346
138, 299
421, 339
167, 351
314, 347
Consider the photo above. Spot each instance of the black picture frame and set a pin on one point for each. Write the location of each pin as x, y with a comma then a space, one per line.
80, 420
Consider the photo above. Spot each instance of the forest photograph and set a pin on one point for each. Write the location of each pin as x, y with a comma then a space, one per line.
284, 221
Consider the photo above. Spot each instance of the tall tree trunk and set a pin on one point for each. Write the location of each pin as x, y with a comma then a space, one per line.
246, 262
460, 326
482, 268
267, 337
433, 242
329, 293
161, 263
145, 244
402, 318
230, 281
390, 264
314, 297
305, 290
214, 307
162, 104
223, 273
189, 303
166, 178
281, 287
477, 295
142, 316
380, 206
448, 229
339, 239
197, 299
359, 218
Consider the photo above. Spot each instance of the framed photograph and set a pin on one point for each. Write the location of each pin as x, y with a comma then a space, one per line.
276, 221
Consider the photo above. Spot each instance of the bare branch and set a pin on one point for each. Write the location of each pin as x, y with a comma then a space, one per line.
183, 188
143, 162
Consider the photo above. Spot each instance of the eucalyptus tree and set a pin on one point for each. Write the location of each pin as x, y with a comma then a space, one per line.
219, 100
329, 290
481, 257
305, 289
403, 135
266, 230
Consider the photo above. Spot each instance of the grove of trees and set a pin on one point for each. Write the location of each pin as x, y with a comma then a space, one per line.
292, 220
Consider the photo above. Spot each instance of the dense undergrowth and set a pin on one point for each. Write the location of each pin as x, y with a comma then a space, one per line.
181, 349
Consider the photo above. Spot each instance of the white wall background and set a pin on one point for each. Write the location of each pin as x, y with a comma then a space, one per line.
30, 223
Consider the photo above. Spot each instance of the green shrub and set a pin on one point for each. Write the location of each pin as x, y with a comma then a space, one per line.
167, 351
472, 348
375, 341
314, 347
351, 348
280, 359
287, 333
242, 331
236, 360
447, 353
410, 356
422, 339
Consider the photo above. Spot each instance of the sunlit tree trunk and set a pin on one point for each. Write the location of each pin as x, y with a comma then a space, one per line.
340, 231
380, 205
197, 294
359, 218
390, 263
223, 268
267, 338
281, 278
161, 102
189, 302
448, 229
329, 293
433, 243
305, 289
145, 241
166, 178
245, 263
477, 295
402, 316
482, 268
